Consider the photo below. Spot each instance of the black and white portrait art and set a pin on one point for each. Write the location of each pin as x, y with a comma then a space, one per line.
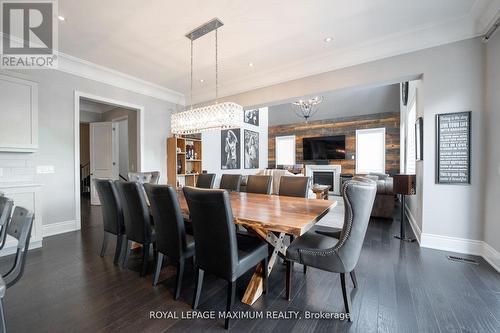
230, 149
252, 117
251, 150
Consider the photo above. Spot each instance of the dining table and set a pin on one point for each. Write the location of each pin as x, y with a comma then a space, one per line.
272, 218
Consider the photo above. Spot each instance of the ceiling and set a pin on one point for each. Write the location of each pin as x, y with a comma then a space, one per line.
283, 39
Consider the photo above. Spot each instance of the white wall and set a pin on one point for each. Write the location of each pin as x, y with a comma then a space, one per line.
492, 169
212, 148
56, 137
452, 80
343, 103
90, 117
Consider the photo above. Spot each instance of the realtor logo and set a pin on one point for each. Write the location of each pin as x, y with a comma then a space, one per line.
29, 34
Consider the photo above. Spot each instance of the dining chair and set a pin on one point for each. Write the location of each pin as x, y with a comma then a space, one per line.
294, 186
171, 238
112, 216
219, 250
259, 184
138, 222
20, 228
230, 182
150, 177
3, 287
6, 205
206, 180
337, 255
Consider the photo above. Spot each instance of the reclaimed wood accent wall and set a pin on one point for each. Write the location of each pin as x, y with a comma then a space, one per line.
342, 126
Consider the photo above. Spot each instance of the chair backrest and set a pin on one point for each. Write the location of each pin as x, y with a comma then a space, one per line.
259, 184
206, 180
6, 205
19, 228
169, 223
359, 195
294, 186
151, 177
135, 211
214, 231
230, 182
112, 212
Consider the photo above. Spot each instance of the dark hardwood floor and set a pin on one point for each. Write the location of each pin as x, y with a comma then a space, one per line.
67, 287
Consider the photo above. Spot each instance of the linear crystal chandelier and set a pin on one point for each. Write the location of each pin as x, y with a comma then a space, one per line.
212, 117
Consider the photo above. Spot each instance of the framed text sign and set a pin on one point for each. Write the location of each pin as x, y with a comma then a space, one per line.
453, 134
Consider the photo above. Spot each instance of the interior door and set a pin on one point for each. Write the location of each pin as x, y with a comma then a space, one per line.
103, 155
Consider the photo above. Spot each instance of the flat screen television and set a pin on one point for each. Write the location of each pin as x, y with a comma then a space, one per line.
324, 148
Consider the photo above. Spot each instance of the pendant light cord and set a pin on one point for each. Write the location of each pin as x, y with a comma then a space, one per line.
216, 68
191, 98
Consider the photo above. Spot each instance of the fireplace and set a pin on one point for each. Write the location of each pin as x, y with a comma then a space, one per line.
324, 178
325, 175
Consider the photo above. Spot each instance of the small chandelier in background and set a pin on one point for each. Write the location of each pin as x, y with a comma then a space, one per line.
307, 108
212, 117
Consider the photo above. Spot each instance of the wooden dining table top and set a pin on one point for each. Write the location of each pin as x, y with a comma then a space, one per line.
290, 215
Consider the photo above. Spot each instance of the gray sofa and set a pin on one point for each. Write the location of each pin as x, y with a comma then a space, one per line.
383, 206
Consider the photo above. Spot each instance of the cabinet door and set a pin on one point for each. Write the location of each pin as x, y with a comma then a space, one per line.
18, 115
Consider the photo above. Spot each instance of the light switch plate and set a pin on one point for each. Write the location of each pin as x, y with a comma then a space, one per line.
45, 169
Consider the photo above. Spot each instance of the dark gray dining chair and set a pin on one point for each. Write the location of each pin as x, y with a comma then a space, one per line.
219, 250
259, 184
230, 182
337, 255
138, 222
3, 287
20, 228
171, 238
294, 186
6, 205
148, 177
112, 216
206, 180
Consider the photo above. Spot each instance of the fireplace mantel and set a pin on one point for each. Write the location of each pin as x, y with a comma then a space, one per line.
335, 169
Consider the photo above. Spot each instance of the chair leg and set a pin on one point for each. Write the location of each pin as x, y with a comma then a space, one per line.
145, 257
265, 273
231, 293
305, 269
197, 288
119, 241
2, 318
159, 263
353, 278
288, 279
178, 282
126, 255
105, 239
346, 296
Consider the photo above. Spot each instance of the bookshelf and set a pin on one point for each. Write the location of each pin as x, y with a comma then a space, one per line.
184, 161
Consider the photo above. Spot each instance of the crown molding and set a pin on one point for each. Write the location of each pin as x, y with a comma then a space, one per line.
86, 69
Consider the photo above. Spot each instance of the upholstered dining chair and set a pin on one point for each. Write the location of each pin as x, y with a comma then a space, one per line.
230, 182
206, 180
171, 238
6, 205
20, 228
112, 216
150, 177
337, 255
259, 184
294, 186
138, 222
219, 250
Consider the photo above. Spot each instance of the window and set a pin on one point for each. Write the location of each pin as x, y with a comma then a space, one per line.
370, 150
285, 150
410, 155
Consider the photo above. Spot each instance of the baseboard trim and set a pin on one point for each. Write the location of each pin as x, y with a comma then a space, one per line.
59, 228
462, 245
414, 225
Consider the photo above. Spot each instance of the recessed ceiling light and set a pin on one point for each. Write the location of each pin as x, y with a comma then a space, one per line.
61, 18
201, 80
328, 39
250, 64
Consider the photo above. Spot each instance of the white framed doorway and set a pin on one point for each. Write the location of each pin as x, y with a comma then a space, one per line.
78, 95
